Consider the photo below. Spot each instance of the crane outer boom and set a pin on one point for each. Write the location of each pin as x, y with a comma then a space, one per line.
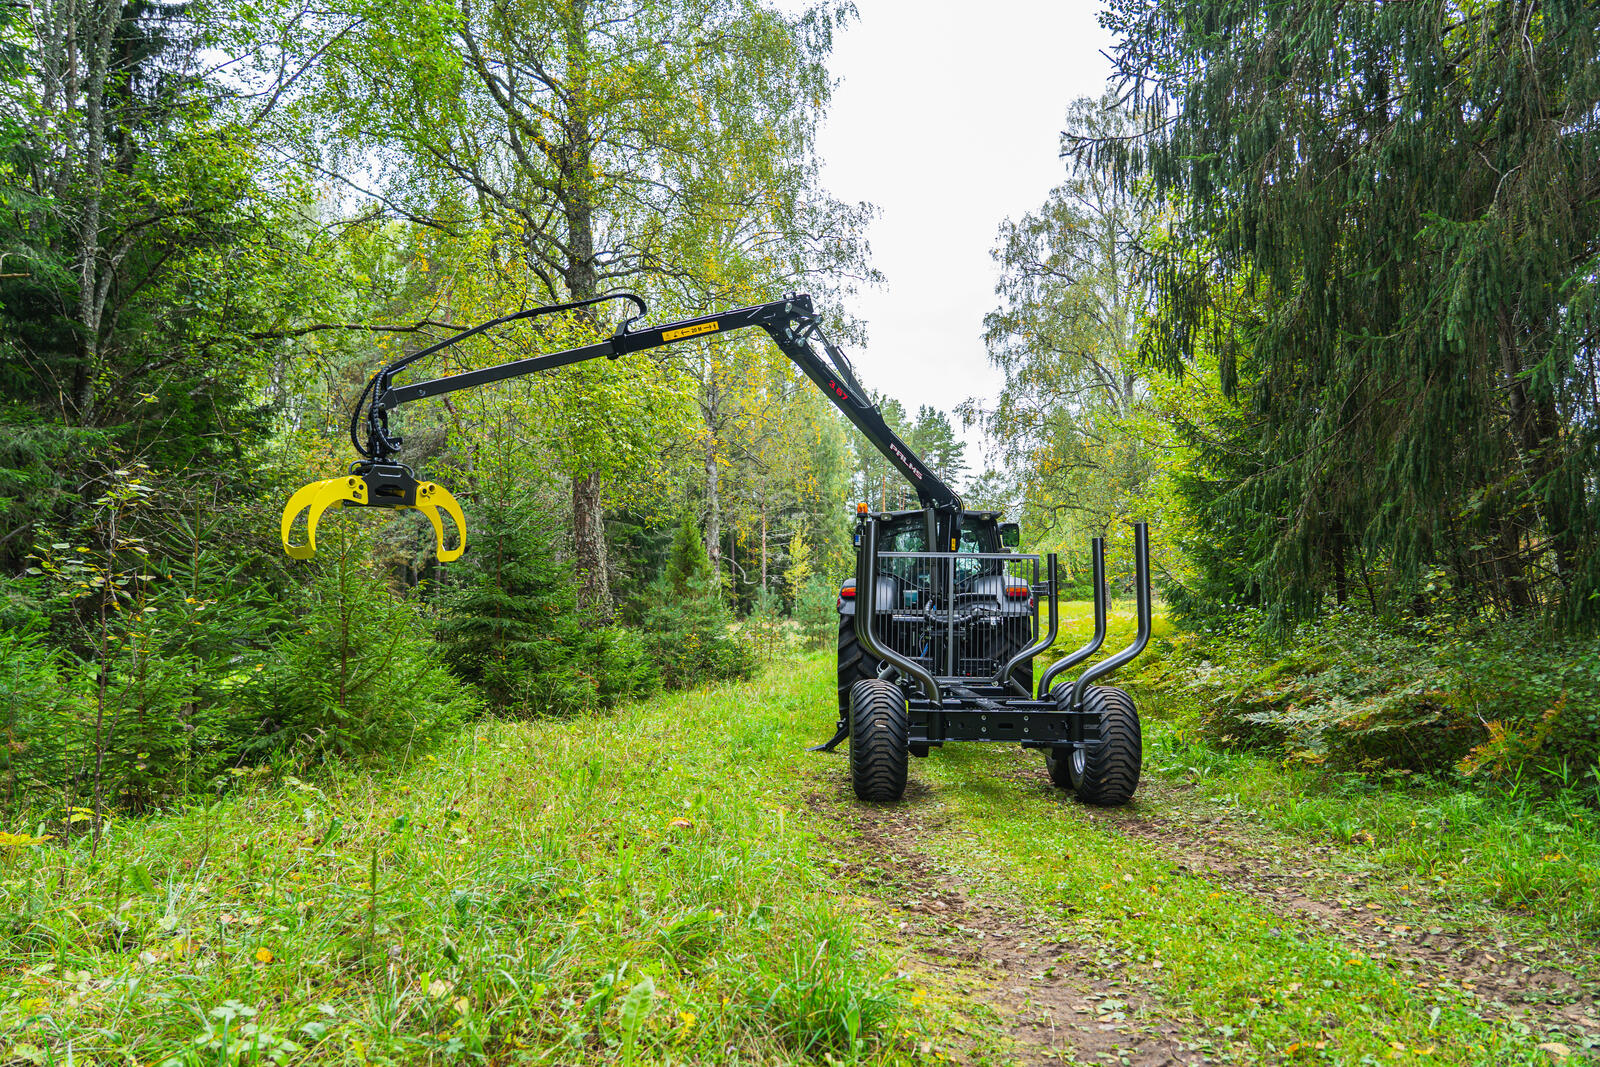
380, 480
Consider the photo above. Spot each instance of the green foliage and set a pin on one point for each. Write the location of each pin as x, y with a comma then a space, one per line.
511, 626
359, 675
688, 567
816, 609
1404, 193
1524, 844
689, 637
36, 706
1070, 424
930, 434
1504, 701
934, 439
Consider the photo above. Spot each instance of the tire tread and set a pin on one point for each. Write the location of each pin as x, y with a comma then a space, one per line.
879, 732
1111, 769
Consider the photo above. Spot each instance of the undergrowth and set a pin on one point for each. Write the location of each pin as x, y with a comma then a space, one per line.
630, 888
1500, 700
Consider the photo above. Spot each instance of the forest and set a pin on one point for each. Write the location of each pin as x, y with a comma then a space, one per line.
1317, 297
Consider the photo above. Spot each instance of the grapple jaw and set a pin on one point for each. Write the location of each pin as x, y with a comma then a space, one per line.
374, 485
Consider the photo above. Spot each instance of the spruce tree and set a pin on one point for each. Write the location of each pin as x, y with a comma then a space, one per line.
510, 619
688, 567
1411, 188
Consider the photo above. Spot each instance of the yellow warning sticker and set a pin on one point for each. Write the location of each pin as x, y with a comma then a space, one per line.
688, 331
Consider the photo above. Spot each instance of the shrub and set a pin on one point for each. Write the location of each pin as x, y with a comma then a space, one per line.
40, 718
1496, 698
360, 675
689, 638
817, 611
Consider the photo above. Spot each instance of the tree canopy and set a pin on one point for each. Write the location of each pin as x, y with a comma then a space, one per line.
1385, 235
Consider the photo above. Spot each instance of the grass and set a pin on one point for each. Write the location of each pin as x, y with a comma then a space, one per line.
656, 886
1495, 849
1489, 847
634, 888
1504, 849
1246, 982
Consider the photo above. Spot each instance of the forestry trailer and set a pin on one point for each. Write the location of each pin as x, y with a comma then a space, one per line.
938, 629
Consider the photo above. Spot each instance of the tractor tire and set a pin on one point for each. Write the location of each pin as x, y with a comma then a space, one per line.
854, 664
879, 752
1107, 774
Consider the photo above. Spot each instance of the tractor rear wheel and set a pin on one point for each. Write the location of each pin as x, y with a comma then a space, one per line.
1108, 773
854, 663
879, 726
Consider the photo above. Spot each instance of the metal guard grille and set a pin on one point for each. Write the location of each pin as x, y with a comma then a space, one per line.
958, 614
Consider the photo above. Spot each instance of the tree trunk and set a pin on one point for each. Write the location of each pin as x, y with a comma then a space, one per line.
91, 293
1513, 575
588, 503
713, 507
589, 547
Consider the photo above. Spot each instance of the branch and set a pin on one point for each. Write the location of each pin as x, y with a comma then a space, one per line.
417, 327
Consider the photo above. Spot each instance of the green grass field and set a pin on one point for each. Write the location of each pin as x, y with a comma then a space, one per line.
679, 882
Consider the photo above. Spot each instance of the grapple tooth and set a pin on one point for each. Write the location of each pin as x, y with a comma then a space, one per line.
430, 498
315, 499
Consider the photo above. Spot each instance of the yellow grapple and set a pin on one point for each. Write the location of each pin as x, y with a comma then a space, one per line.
374, 485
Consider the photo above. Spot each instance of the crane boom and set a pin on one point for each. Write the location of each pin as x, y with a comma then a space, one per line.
792, 323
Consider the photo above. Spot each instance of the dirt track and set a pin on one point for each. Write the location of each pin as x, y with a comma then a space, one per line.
1053, 1001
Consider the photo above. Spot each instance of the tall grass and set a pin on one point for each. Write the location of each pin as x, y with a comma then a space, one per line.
628, 888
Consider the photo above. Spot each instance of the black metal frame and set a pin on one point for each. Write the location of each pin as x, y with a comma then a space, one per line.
955, 708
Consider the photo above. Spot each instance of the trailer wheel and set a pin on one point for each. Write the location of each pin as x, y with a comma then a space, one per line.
854, 664
879, 727
1108, 773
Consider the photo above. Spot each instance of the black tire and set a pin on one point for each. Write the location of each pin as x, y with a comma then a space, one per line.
879, 752
1056, 761
854, 664
1108, 773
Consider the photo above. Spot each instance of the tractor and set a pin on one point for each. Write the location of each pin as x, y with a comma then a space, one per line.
939, 628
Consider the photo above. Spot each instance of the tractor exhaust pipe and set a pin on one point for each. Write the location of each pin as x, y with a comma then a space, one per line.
1141, 579
1097, 549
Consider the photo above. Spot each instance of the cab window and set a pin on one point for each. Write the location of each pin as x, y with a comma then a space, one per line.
906, 537
970, 542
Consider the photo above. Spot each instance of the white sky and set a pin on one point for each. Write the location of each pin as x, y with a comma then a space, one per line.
948, 117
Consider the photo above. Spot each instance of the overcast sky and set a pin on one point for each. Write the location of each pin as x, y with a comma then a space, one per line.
948, 117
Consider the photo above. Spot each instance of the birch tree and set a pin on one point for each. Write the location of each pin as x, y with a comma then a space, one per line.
603, 139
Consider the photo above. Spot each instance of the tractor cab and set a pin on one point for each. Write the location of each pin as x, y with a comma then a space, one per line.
905, 535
